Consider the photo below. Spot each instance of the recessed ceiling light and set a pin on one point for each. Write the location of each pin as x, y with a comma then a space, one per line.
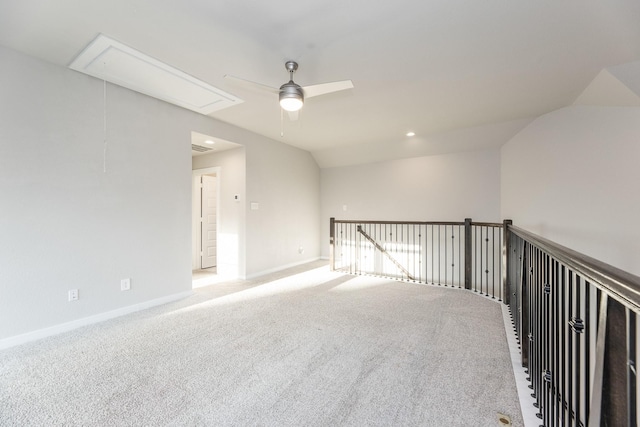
411, 133
208, 141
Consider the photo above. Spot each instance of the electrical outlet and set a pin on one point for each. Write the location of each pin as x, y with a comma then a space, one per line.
125, 284
73, 294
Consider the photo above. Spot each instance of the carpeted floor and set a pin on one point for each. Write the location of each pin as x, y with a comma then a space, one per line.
305, 347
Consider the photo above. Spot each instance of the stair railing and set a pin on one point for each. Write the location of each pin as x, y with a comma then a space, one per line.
576, 318
455, 254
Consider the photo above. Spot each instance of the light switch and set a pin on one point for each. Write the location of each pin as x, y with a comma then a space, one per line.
255, 206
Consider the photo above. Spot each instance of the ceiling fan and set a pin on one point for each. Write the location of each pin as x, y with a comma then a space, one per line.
291, 94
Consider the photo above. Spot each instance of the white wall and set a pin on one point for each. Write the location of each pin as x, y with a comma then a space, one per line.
64, 223
231, 232
285, 182
434, 188
572, 176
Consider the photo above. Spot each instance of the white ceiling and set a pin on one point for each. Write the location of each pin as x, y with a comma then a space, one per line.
462, 74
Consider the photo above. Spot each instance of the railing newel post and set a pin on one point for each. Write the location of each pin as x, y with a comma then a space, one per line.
615, 404
332, 243
468, 253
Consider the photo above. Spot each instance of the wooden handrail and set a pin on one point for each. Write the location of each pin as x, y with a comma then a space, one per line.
619, 284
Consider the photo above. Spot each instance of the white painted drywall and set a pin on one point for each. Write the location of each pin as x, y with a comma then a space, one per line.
232, 173
285, 182
572, 176
448, 187
66, 224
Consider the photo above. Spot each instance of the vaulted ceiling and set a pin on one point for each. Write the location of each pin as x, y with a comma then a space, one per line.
461, 74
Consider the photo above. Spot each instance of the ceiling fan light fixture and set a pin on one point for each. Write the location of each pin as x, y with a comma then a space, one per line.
291, 104
291, 97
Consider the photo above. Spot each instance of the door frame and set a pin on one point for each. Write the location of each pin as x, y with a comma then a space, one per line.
196, 199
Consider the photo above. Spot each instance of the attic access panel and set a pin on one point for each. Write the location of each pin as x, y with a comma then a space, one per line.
110, 60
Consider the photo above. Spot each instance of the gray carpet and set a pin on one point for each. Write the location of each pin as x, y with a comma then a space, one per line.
306, 347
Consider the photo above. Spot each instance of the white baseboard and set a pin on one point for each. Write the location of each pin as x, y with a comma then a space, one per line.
522, 385
85, 321
280, 268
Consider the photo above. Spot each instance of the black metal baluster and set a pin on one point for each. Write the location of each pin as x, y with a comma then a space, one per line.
418, 250
390, 248
502, 290
481, 264
433, 255
475, 263
571, 350
631, 369
410, 250
400, 248
486, 261
587, 348
544, 359
339, 246
533, 373
578, 364
439, 255
562, 321
553, 363
453, 257
349, 247
363, 246
413, 250
359, 252
380, 230
460, 252
555, 292
446, 254
396, 252
542, 336
352, 248
536, 372
426, 252
548, 374
493, 262
424, 265
532, 320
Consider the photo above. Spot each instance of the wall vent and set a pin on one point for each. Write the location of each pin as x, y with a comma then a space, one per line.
119, 64
200, 148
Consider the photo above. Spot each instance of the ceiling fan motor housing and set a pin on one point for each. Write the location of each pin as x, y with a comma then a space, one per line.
289, 92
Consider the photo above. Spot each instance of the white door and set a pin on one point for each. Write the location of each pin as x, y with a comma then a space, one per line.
208, 221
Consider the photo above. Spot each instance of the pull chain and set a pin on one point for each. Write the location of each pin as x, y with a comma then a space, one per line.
281, 123
104, 129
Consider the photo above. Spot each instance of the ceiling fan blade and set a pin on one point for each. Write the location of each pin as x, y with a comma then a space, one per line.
293, 115
251, 85
324, 88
